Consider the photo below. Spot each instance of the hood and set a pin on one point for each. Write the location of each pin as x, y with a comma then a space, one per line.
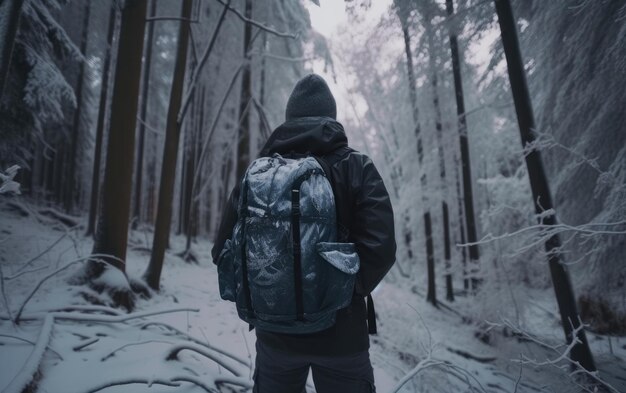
313, 135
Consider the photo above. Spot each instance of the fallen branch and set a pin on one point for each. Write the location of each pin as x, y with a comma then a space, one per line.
85, 344
112, 353
244, 383
197, 341
131, 381
470, 356
87, 309
66, 219
173, 352
28, 371
117, 318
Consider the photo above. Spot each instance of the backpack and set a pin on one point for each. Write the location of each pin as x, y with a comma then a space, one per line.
283, 265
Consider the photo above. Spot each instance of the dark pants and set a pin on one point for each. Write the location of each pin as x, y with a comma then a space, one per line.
281, 372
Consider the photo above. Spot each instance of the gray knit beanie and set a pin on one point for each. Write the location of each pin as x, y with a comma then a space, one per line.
311, 97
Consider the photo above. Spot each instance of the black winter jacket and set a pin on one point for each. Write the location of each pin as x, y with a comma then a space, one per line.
365, 218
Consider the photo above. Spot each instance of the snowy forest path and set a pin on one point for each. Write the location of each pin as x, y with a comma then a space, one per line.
110, 353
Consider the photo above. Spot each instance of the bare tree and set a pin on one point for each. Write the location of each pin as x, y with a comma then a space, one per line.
102, 110
570, 319
8, 39
71, 174
243, 147
152, 275
112, 230
145, 98
468, 198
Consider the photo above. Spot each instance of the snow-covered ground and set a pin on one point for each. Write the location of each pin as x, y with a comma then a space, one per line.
99, 350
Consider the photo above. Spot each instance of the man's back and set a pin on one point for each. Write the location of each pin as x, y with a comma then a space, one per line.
364, 216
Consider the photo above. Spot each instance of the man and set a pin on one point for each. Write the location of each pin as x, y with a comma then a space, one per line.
338, 356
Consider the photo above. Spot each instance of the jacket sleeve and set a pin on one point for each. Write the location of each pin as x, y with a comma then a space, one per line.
373, 228
229, 219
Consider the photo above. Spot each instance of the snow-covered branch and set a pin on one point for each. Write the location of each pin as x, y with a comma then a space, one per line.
7, 184
27, 373
197, 341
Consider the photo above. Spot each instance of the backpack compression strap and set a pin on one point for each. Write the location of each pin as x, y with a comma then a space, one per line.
295, 231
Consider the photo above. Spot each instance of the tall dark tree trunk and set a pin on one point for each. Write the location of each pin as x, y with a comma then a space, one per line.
112, 229
152, 275
8, 40
431, 294
468, 197
145, 99
73, 153
461, 223
243, 146
446, 247
102, 111
570, 319
59, 171
434, 80
403, 14
264, 131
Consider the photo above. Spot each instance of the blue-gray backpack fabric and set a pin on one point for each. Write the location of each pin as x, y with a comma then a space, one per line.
283, 265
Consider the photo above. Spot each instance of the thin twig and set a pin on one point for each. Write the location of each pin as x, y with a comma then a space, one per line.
149, 127
40, 283
85, 344
205, 56
282, 58
205, 146
112, 353
177, 18
25, 265
255, 23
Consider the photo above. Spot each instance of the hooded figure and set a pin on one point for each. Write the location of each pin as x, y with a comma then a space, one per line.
339, 355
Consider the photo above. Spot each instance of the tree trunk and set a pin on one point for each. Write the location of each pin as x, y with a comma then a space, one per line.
412, 83
468, 197
112, 229
243, 146
430, 32
145, 98
8, 40
71, 174
152, 275
446, 247
102, 110
431, 295
542, 198
403, 16
461, 223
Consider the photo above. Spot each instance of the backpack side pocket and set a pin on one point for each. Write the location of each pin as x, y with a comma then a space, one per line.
343, 264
